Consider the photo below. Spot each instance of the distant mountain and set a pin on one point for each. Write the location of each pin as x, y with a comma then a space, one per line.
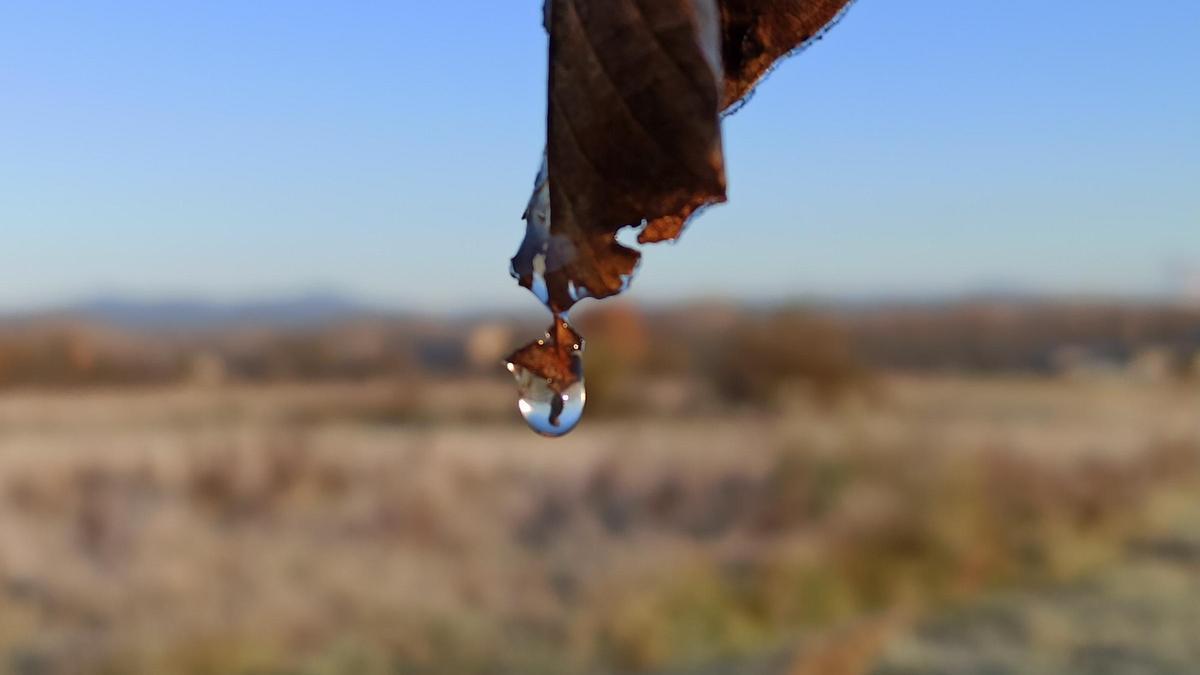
184, 313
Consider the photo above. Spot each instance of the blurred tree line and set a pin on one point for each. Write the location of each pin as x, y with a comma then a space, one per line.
738, 354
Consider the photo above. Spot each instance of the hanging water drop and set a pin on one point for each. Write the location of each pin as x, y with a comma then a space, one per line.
549, 375
548, 412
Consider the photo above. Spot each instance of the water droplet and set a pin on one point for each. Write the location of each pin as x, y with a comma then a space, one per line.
548, 412
549, 375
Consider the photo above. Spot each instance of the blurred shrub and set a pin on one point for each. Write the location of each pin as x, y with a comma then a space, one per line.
759, 358
617, 342
1021, 336
71, 355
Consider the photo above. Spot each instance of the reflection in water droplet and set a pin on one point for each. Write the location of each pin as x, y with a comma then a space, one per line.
546, 411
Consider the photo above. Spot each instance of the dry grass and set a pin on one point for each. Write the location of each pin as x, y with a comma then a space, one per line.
1140, 615
380, 528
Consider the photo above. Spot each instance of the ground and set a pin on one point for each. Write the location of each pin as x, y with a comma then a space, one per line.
939, 525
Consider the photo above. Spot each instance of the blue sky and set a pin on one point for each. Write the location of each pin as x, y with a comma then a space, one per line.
232, 149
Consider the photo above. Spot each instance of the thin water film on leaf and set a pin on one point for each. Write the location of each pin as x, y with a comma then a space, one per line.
636, 93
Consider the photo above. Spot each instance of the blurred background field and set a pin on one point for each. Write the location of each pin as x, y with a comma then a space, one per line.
973, 450
995, 486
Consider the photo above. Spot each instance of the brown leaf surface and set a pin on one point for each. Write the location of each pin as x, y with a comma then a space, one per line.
553, 357
634, 135
755, 34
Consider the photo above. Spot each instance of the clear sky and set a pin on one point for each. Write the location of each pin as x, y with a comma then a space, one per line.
385, 148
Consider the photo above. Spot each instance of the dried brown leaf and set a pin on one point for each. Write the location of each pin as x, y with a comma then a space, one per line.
553, 357
634, 135
755, 34
637, 90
